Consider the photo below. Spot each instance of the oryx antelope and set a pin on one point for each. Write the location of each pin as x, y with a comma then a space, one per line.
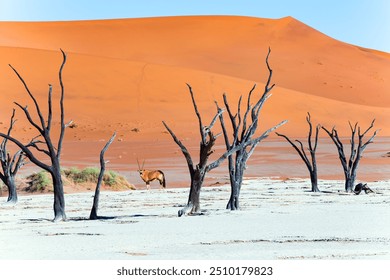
150, 175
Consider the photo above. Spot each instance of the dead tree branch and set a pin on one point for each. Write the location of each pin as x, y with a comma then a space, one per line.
311, 164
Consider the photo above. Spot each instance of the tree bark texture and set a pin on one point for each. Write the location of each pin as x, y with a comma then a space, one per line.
235, 185
59, 198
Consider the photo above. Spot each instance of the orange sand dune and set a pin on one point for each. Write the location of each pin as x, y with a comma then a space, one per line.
106, 94
303, 58
128, 75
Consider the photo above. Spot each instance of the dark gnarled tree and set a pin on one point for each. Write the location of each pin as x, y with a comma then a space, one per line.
244, 128
311, 164
10, 165
199, 171
44, 144
350, 167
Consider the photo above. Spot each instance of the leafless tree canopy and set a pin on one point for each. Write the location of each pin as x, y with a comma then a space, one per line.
350, 166
244, 128
44, 143
199, 171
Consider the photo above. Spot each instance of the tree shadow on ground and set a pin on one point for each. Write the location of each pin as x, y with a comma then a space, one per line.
78, 219
320, 192
37, 220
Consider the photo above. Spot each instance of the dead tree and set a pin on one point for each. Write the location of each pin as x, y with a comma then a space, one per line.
243, 133
95, 206
44, 144
350, 167
362, 187
10, 165
310, 164
199, 171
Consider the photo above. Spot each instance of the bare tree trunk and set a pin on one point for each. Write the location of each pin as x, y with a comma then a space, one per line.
9, 182
350, 179
232, 179
236, 172
193, 204
234, 203
59, 199
95, 206
349, 183
313, 173
314, 181
12, 194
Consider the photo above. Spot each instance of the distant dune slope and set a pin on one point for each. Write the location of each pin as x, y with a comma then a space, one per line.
131, 73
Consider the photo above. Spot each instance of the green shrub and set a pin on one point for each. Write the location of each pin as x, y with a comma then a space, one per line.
89, 174
111, 179
41, 181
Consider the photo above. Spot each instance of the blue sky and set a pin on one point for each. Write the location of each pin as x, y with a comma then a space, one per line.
365, 23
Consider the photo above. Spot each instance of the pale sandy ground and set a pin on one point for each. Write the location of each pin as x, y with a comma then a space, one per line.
279, 220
